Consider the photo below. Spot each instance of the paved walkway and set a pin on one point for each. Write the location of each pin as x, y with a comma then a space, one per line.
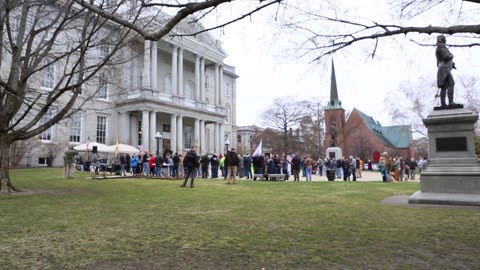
366, 176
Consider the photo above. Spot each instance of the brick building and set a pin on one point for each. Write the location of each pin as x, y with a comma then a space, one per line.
360, 134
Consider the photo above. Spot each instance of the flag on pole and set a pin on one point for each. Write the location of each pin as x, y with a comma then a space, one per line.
116, 148
258, 150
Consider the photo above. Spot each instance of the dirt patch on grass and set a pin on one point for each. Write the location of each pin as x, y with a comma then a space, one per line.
29, 192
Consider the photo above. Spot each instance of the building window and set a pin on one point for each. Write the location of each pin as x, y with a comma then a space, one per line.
47, 134
166, 128
103, 86
168, 84
189, 90
48, 76
42, 161
188, 137
101, 129
75, 128
239, 138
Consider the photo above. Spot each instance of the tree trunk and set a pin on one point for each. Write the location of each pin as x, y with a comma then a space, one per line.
5, 155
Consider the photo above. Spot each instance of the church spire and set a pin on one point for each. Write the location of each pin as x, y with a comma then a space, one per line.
334, 102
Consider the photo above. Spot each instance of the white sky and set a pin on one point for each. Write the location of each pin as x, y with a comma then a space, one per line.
266, 71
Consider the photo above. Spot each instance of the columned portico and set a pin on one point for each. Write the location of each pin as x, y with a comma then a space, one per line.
146, 65
153, 130
145, 129
180, 134
173, 132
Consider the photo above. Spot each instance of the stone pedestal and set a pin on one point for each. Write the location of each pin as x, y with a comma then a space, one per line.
334, 152
453, 174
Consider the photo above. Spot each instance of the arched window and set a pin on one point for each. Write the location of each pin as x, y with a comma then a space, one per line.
189, 88
168, 84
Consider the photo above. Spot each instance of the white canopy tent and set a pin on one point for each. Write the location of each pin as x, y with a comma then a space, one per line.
88, 147
123, 148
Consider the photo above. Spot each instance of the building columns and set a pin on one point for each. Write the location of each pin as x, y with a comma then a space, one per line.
180, 73
154, 67
197, 77
221, 131
216, 86
145, 129
221, 86
196, 133
133, 131
146, 65
174, 69
202, 148
202, 80
153, 130
173, 133
124, 127
216, 139
179, 134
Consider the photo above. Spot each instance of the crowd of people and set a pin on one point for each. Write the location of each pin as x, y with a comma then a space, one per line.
232, 166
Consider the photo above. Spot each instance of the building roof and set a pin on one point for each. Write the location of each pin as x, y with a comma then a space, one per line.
392, 136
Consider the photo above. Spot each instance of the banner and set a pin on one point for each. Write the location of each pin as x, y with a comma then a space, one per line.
258, 150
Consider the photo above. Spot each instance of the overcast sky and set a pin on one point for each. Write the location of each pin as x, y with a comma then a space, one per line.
266, 71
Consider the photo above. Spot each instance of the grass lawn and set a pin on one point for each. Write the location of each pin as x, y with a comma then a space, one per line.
154, 224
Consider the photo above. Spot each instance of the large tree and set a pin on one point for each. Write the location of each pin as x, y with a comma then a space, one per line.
53, 53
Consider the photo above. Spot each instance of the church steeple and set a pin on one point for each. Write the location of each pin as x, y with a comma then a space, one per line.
334, 102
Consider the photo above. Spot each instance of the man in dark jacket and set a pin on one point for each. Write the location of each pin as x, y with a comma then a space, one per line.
191, 163
247, 164
204, 164
214, 162
231, 161
258, 165
296, 166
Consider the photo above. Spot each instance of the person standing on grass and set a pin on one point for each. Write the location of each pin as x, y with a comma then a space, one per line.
296, 166
191, 164
308, 163
204, 164
214, 162
231, 163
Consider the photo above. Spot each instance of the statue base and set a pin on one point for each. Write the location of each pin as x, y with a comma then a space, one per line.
453, 174
333, 152
448, 107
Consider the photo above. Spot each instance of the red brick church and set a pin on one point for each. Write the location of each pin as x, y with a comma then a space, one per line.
360, 134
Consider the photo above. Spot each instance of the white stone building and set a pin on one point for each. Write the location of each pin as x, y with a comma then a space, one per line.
179, 87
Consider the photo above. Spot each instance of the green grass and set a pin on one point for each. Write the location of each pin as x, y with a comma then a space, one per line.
154, 224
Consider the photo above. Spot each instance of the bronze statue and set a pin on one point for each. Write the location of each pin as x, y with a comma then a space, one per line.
445, 65
333, 130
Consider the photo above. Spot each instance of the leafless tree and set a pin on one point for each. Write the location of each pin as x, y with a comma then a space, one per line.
284, 114
54, 52
312, 128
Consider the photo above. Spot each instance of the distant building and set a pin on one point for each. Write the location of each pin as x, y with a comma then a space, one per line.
362, 135
248, 138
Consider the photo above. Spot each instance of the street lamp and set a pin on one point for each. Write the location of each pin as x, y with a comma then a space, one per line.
158, 136
227, 143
